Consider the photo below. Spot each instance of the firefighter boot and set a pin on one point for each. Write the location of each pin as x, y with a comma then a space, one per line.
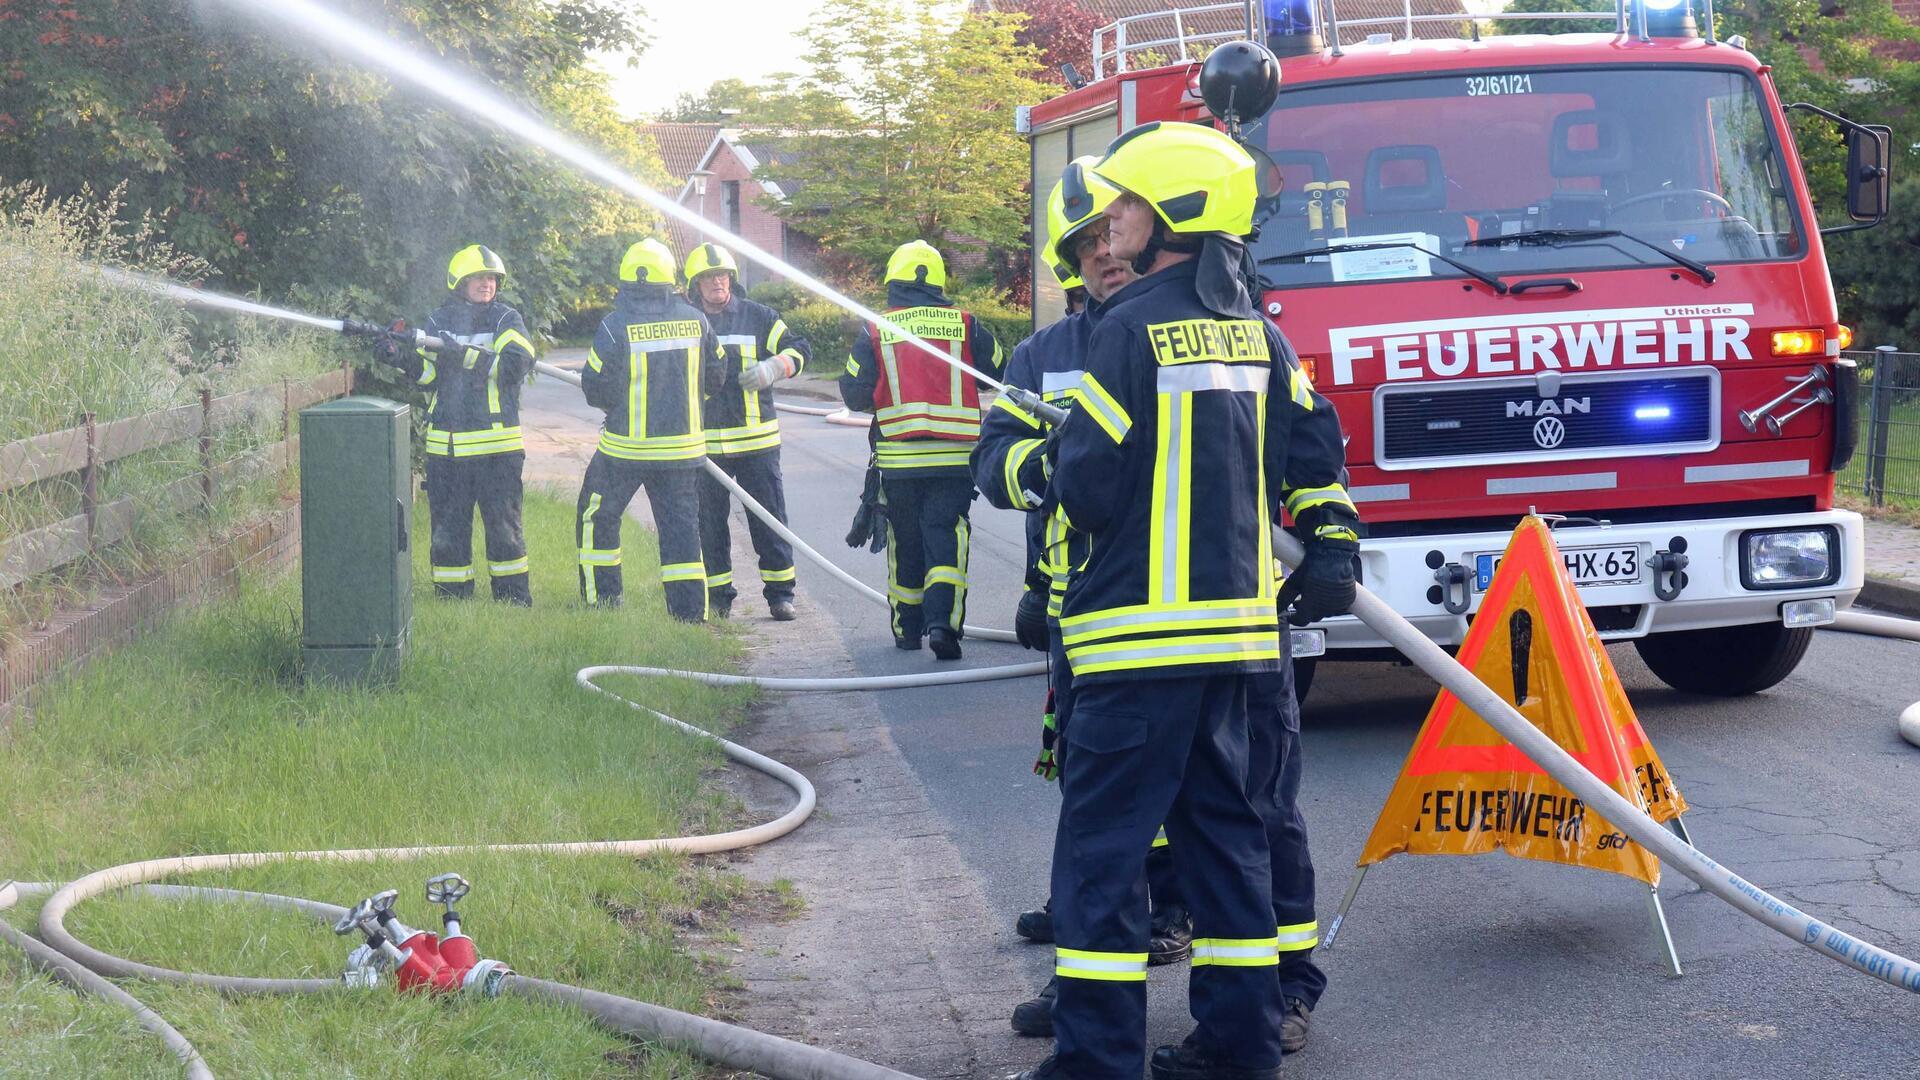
1046, 1070
944, 643
1035, 1016
1036, 925
1189, 1061
781, 610
1170, 935
1294, 1025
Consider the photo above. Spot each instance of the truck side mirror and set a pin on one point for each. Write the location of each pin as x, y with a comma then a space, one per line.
1869, 171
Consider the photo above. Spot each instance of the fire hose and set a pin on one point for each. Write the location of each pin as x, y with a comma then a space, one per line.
742, 1048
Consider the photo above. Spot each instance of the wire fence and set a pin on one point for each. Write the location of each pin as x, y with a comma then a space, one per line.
1885, 471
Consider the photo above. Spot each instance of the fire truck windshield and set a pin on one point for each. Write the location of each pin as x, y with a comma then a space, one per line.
1680, 158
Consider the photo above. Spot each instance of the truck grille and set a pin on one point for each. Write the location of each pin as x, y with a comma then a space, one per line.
1504, 420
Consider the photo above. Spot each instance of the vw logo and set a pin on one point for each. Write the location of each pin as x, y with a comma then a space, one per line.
1549, 432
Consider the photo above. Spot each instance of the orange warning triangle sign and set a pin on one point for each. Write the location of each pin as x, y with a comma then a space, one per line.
1465, 789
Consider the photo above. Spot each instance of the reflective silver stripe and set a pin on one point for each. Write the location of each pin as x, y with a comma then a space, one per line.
1243, 952
1300, 937
1085, 963
737, 339
1200, 649
1099, 627
1380, 492
1757, 470
1522, 485
1054, 382
1173, 487
665, 345
1192, 378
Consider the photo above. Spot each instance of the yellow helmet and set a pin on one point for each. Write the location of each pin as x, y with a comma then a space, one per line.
1077, 201
707, 258
1195, 177
471, 260
650, 261
917, 262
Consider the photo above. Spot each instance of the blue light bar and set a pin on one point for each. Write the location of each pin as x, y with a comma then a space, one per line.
1287, 18
1652, 412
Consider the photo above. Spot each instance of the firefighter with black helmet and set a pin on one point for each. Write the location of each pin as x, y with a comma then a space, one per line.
926, 421
743, 431
1193, 427
651, 362
474, 450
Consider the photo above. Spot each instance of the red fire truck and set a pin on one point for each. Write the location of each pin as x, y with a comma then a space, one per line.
1576, 273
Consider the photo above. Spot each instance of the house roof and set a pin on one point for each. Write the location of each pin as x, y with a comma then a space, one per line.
682, 147
1161, 23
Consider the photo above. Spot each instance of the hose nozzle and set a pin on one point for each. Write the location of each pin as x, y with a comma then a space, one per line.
1049, 414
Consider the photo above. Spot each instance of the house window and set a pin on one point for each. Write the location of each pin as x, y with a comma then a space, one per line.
731, 189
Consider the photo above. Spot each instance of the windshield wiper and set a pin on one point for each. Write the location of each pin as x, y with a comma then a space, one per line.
1481, 276
1551, 237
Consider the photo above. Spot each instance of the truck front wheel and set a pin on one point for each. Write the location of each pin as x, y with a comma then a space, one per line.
1725, 661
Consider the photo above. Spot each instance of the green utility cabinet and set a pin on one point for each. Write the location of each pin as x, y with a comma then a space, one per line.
356, 521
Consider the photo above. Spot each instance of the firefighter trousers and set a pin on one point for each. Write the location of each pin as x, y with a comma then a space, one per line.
674, 494
454, 486
759, 474
1139, 753
927, 538
1273, 782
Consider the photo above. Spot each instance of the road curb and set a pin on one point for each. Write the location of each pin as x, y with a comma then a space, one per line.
1891, 594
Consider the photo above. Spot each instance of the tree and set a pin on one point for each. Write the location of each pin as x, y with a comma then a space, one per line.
902, 128
283, 170
1062, 31
729, 101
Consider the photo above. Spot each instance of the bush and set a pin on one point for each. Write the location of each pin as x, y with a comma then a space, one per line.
828, 329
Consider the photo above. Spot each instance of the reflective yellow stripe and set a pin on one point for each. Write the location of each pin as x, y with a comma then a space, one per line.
512, 337
714, 581
1160, 838
1017, 456
853, 366
923, 454
1145, 618
739, 440
1298, 937
593, 359
508, 569
1300, 499
493, 390
1100, 966
777, 575
588, 553
1170, 652
1236, 952
428, 372
1101, 405
1005, 405
499, 440
453, 573
945, 575
686, 571
600, 556
656, 448
1336, 532
922, 408
774, 335
900, 594
1300, 388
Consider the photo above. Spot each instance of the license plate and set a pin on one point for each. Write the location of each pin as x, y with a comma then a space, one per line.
1588, 566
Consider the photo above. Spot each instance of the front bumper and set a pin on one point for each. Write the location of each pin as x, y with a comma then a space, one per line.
1402, 571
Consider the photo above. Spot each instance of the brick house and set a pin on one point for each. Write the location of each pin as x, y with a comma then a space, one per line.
714, 166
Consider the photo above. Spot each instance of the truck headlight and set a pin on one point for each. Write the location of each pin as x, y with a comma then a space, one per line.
1789, 558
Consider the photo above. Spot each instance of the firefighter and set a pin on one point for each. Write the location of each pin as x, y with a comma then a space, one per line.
1007, 469
651, 361
474, 450
1192, 423
927, 418
743, 432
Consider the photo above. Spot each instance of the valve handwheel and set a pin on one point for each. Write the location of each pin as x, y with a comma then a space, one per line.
447, 889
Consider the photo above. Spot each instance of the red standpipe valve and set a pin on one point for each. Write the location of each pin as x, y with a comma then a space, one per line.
420, 962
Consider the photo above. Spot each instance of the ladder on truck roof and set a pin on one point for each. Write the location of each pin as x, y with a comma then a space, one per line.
1145, 36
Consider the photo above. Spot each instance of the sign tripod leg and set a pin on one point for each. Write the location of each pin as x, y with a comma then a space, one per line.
1666, 935
1339, 917
1679, 829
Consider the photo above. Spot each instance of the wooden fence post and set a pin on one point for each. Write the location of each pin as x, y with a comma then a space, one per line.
206, 448
90, 478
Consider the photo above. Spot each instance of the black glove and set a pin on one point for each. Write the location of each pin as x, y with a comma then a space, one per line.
870, 519
1322, 586
1030, 620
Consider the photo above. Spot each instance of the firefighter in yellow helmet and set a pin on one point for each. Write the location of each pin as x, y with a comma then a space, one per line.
474, 450
926, 421
743, 431
651, 362
1193, 427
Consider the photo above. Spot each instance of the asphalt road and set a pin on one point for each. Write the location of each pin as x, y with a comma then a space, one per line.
1483, 966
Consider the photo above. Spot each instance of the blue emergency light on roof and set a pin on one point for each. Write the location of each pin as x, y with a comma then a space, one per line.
1289, 17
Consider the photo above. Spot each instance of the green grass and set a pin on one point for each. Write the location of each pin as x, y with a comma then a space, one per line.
197, 740
76, 344
1902, 476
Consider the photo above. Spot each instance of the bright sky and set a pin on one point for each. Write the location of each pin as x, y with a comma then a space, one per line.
696, 42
